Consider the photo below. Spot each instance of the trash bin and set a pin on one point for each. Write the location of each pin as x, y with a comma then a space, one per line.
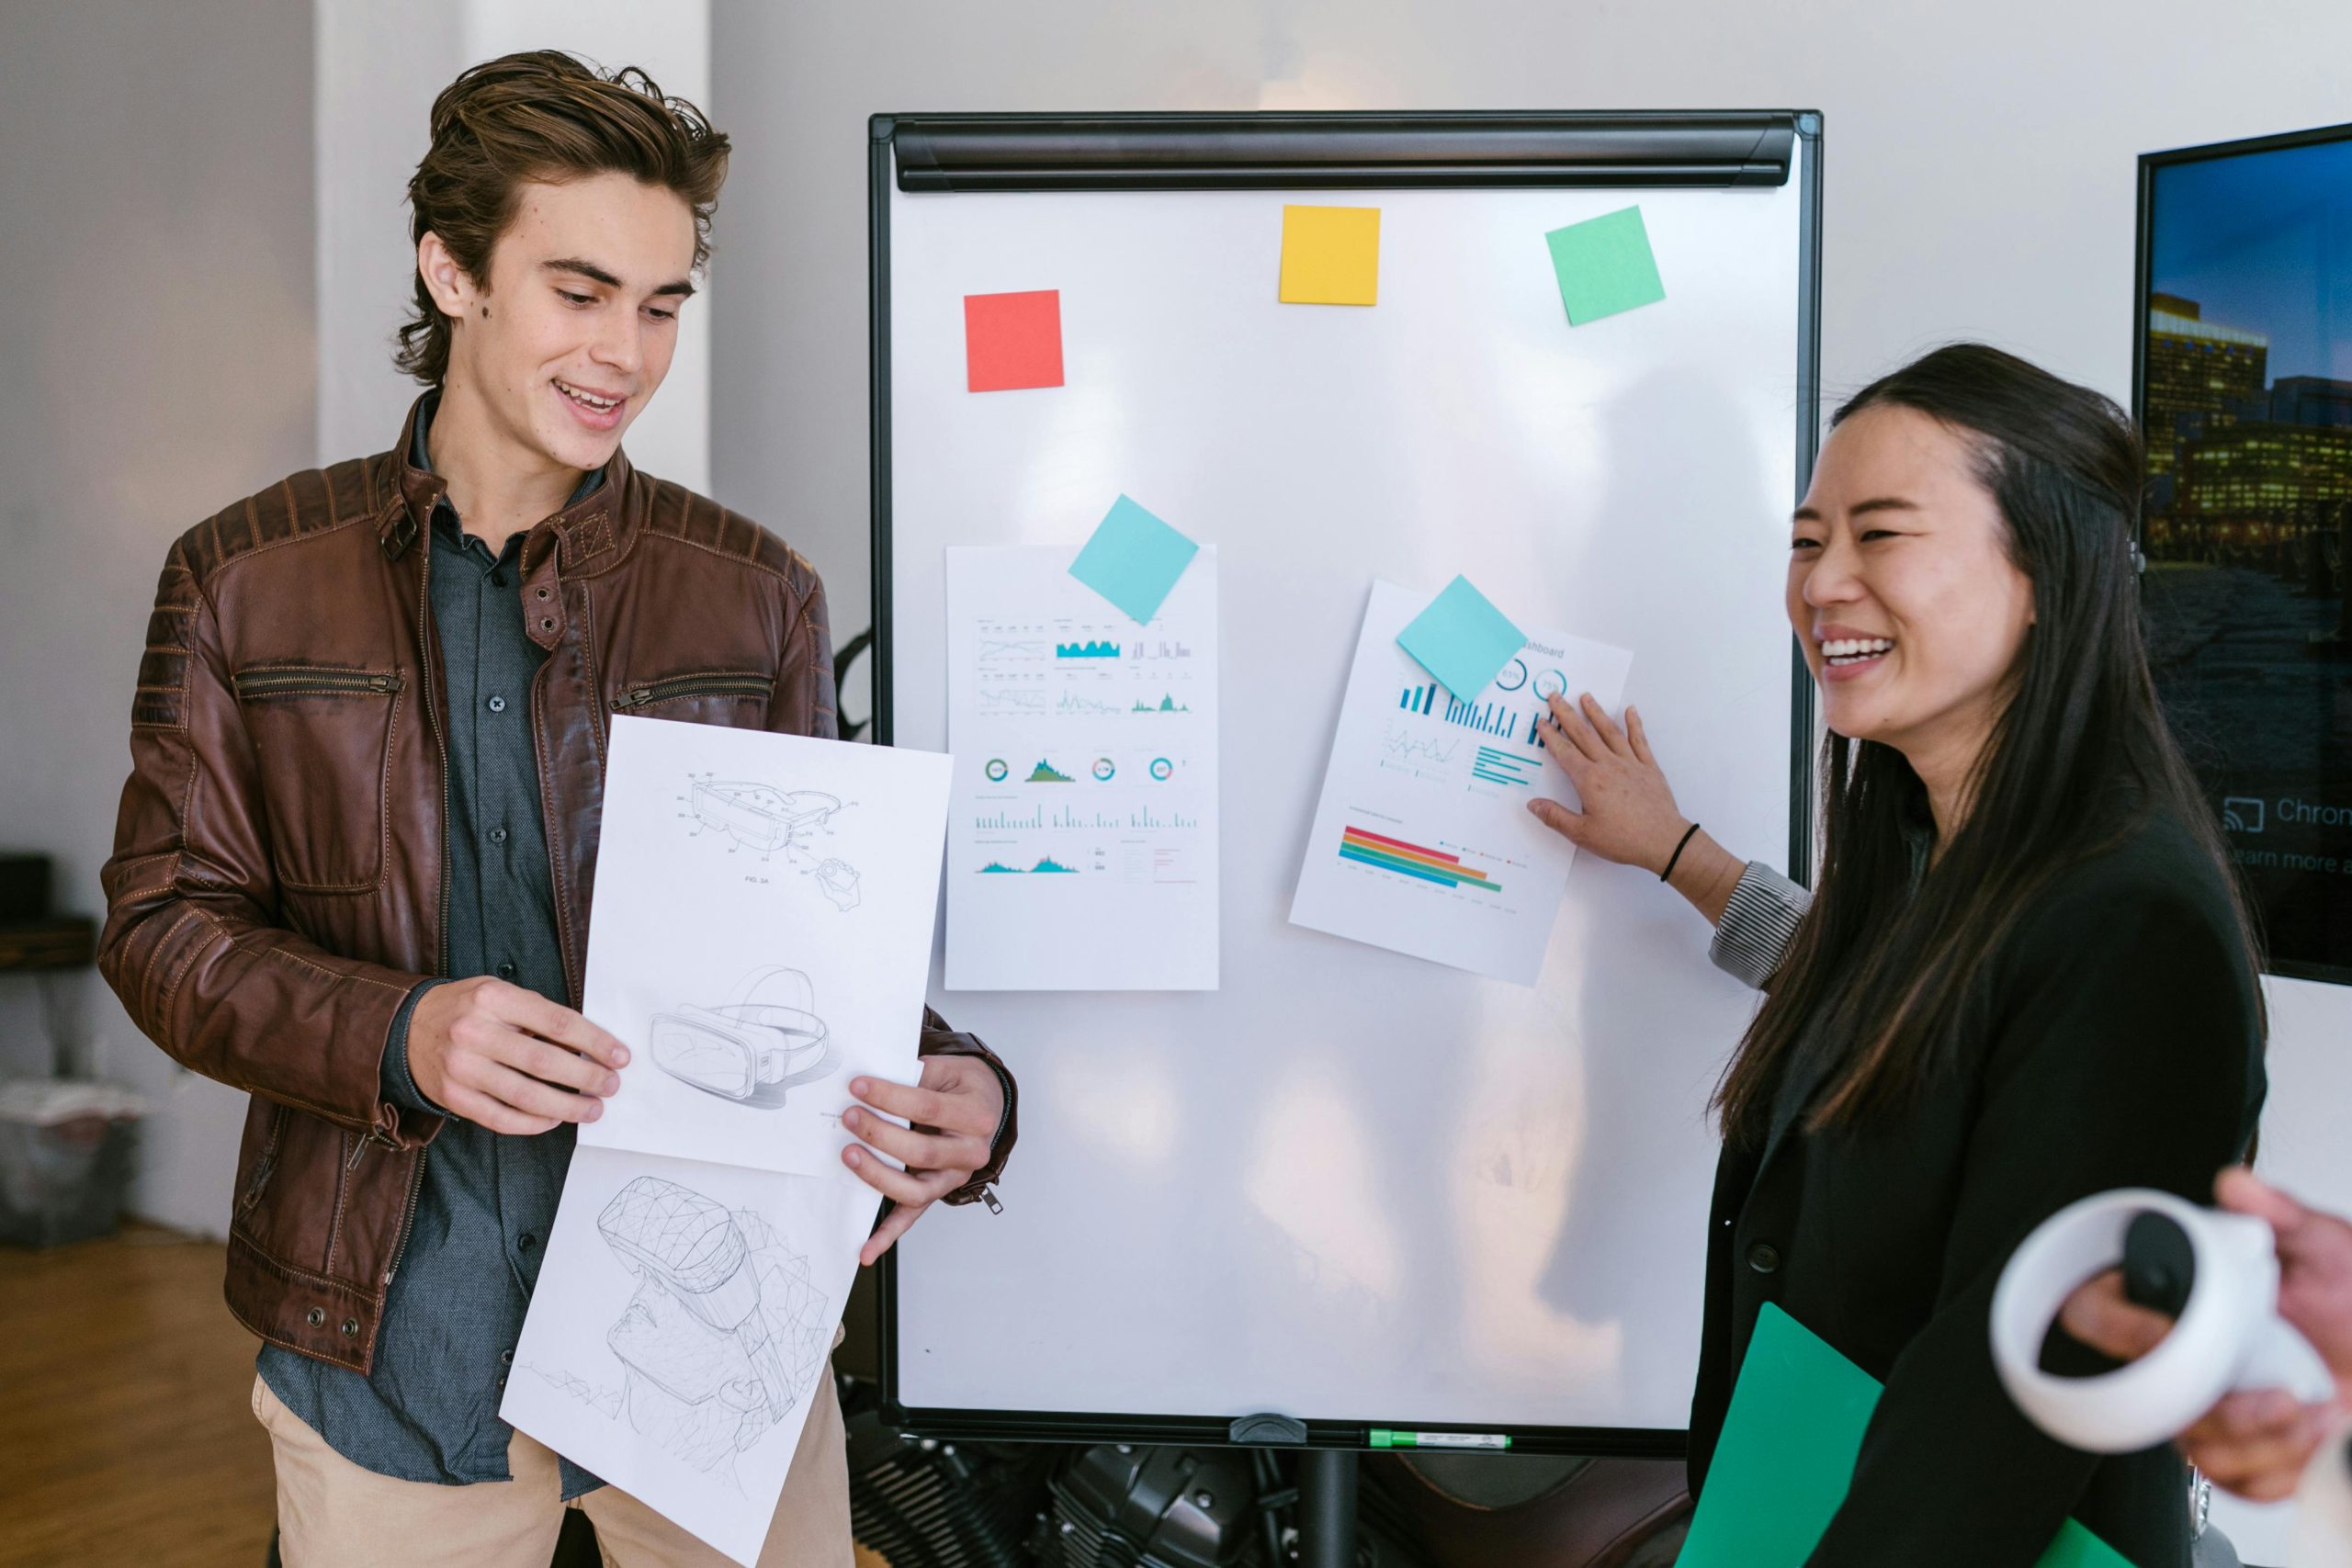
66, 1149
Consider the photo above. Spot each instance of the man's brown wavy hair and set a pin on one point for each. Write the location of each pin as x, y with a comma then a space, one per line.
543, 117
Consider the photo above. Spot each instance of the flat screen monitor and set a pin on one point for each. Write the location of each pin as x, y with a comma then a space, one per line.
2243, 385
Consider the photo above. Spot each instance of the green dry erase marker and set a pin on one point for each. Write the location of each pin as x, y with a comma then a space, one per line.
1382, 1437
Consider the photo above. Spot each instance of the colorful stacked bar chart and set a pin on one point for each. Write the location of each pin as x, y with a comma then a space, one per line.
1412, 860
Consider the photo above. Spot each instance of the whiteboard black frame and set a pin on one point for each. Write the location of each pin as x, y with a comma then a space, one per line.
978, 154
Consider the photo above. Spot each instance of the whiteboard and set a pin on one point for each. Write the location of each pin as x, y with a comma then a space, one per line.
1347, 1186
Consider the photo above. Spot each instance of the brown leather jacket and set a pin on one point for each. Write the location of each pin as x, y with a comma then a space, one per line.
276, 885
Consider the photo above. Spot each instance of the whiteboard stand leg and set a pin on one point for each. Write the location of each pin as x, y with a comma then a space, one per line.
1327, 1508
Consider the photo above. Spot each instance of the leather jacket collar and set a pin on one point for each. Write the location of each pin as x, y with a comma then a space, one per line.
587, 536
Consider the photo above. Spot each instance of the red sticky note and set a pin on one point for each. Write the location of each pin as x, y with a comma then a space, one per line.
1012, 341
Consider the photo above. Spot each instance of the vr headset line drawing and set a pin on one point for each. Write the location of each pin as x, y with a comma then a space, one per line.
759, 816
764, 818
754, 1049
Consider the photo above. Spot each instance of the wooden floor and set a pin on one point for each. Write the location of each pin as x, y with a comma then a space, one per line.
126, 1433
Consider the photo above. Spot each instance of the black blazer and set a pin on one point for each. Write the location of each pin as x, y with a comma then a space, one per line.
2114, 1040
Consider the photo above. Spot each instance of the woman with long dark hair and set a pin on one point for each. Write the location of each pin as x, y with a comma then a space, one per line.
2023, 976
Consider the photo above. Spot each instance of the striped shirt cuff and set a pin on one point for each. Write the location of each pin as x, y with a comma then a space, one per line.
1757, 925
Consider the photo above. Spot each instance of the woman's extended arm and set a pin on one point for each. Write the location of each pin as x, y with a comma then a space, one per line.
1630, 816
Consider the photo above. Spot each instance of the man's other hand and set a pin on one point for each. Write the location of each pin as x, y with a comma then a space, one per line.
509, 1059
2256, 1442
953, 1113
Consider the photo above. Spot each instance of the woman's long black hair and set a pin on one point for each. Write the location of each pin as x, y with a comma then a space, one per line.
2079, 754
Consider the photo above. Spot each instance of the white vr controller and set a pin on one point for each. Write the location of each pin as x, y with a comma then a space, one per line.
2218, 1274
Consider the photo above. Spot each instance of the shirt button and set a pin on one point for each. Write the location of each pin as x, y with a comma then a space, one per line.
1764, 1258
498, 835
506, 971
498, 705
526, 1241
498, 579
507, 1357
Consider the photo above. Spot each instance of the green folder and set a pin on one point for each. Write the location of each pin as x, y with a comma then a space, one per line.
1787, 1456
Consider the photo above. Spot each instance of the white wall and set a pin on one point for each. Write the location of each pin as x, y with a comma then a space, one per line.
377, 69
156, 338
203, 278
1980, 183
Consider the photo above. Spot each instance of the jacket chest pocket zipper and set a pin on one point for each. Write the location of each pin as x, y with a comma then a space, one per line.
326, 741
714, 685
315, 683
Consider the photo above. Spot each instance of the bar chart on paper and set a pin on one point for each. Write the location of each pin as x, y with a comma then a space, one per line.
1422, 842
1443, 867
1082, 841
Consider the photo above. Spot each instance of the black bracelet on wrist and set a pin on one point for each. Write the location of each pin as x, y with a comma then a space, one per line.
1673, 859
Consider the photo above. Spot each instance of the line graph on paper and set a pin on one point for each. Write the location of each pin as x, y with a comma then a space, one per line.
1421, 756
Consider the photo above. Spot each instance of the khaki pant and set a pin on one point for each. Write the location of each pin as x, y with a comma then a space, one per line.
332, 1514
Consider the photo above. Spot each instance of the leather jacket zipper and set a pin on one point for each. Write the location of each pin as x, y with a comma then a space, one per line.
441, 958
408, 1217
313, 683
692, 686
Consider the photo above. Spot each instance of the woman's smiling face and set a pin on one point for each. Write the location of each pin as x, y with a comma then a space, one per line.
1901, 588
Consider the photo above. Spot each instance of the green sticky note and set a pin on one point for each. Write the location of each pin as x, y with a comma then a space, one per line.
1133, 560
1786, 1454
1462, 639
1604, 266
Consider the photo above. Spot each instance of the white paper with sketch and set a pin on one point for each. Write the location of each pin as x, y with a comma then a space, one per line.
1084, 855
761, 934
681, 1318
1422, 840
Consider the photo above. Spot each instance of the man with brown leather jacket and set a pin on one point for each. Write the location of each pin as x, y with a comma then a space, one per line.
352, 868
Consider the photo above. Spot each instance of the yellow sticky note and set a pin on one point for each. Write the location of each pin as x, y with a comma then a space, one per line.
1330, 256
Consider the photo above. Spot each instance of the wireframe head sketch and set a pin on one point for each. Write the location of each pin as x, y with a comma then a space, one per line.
724, 1332
752, 1049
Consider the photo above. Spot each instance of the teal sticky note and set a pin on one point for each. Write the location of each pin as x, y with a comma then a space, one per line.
1604, 266
1462, 639
1133, 560
1786, 1454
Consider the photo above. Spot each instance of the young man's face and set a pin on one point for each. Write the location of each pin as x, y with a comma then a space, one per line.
566, 344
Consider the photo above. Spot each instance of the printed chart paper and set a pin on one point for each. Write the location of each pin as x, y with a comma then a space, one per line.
762, 935
1422, 840
682, 1319
1082, 838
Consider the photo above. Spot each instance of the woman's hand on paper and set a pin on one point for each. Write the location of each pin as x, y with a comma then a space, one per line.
953, 1115
1629, 813
508, 1059
2256, 1442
